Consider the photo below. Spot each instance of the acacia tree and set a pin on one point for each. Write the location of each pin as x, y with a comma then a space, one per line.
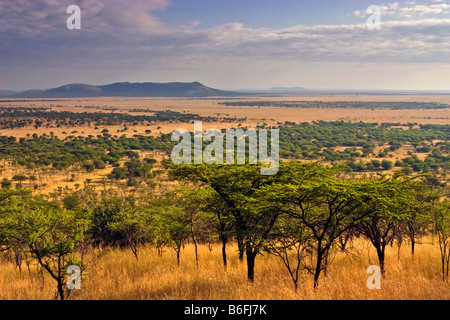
6, 183
133, 225
171, 223
14, 248
441, 219
422, 198
388, 203
52, 237
290, 241
326, 205
192, 201
223, 222
236, 185
103, 216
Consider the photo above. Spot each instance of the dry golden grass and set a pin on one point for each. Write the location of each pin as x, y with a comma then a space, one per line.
118, 275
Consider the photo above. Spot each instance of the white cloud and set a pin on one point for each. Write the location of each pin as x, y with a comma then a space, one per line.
410, 9
130, 39
422, 10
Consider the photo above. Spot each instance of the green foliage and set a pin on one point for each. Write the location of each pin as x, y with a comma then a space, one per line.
103, 215
89, 152
441, 217
72, 202
171, 224
386, 164
132, 227
19, 178
318, 140
48, 234
6, 183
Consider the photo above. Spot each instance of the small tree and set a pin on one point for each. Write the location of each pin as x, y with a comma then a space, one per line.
20, 178
387, 207
291, 241
103, 215
193, 201
6, 183
223, 221
15, 248
99, 164
52, 237
422, 198
441, 217
88, 166
386, 164
171, 224
72, 202
376, 164
133, 226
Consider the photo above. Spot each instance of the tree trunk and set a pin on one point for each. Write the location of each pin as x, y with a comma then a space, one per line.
60, 279
196, 250
380, 253
60, 289
241, 246
295, 286
325, 265
134, 249
318, 268
343, 239
224, 251
251, 255
178, 255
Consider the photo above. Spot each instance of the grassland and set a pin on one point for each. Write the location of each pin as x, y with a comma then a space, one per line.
255, 115
116, 274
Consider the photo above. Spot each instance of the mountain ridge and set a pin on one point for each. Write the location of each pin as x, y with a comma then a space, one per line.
126, 89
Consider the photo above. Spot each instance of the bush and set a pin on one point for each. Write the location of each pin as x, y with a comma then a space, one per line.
88, 166
6, 183
99, 164
72, 202
387, 165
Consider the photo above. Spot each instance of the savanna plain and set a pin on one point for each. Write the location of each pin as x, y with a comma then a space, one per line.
88, 182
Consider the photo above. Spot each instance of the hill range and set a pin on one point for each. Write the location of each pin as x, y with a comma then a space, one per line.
125, 89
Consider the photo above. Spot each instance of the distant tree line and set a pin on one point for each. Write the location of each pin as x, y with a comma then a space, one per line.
396, 105
22, 117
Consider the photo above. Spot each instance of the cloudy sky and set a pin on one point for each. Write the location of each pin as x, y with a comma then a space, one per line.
227, 44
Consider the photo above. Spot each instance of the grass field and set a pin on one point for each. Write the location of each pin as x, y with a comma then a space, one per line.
116, 274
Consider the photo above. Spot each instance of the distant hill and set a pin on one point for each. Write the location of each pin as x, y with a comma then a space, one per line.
126, 89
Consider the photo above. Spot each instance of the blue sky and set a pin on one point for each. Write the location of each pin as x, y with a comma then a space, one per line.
228, 44
261, 13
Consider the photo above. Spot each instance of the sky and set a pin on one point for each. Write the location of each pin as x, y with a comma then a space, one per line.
227, 44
